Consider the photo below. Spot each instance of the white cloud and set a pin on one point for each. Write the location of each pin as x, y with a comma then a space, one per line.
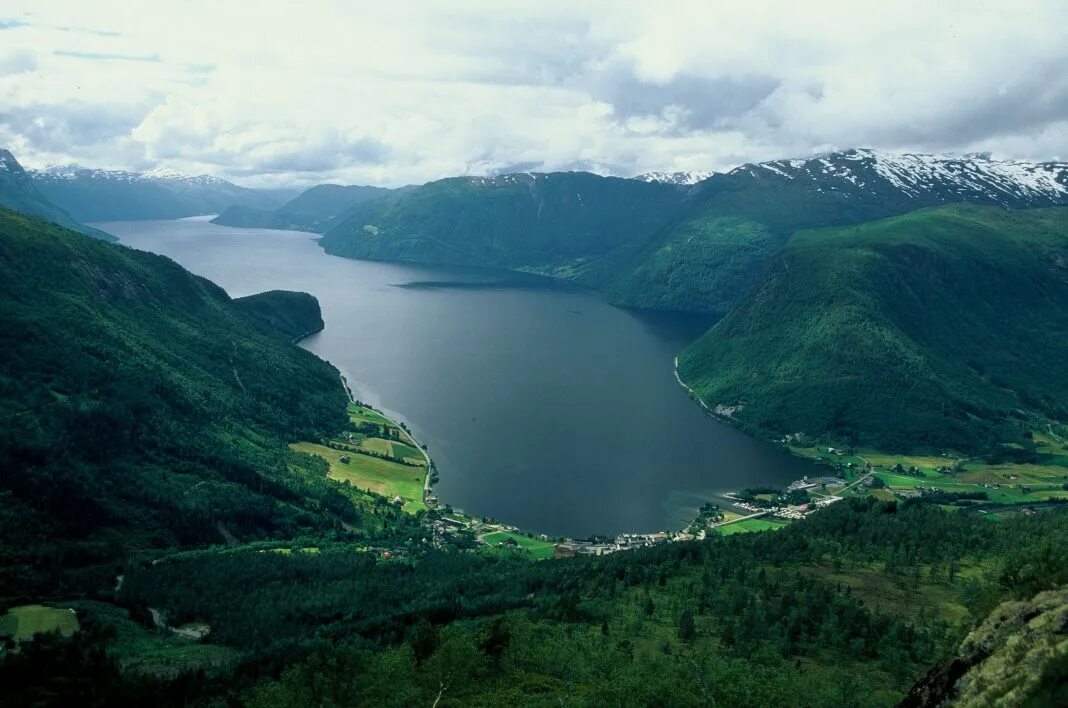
407, 92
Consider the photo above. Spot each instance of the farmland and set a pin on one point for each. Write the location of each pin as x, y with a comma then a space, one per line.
1042, 477
374, 454
27, 620
535, 547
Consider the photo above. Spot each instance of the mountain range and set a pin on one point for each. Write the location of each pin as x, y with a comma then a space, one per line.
940, 329
150, 501
682, 178
733, 242
19, 192
313, 210
884, 354
95, 195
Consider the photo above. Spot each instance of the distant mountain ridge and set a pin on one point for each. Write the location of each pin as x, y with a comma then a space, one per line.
18, 192
567, 224
949, 178
681, 178
699, 247
708, 259
313, 210
118, 195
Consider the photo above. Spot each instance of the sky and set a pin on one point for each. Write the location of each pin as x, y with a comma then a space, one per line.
391, 93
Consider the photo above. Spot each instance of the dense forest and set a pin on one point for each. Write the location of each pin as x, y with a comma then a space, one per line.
313, 210
848, 607
571, 224
940, 329
141, 407
148, 487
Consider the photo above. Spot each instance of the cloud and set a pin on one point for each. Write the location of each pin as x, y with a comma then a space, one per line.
399, 93
20, 61
105, 56
693, 102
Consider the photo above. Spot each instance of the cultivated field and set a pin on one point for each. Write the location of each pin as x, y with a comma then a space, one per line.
372, 456
27, 620
535, 547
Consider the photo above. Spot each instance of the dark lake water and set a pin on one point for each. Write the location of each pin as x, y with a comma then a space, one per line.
542, 406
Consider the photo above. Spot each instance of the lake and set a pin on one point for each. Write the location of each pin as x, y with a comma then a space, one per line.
542, 406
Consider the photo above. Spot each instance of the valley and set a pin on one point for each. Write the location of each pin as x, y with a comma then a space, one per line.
300, 521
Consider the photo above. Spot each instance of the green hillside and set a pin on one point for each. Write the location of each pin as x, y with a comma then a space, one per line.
150, 502
295, 314
313, 210
141, 407
940, 329
569, 224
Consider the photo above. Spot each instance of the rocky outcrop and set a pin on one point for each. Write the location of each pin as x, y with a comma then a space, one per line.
1017, 657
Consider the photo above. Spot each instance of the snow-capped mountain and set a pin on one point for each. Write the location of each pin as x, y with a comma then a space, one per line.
18, 192
680, 178
162, 193
70, 172
926, 178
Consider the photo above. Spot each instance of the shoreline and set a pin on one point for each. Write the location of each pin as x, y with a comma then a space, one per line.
693, 394
418, 445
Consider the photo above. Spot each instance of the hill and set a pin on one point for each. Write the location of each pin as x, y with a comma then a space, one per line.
940, 329
566, 224
141, 407
710, 257
114, 195
294, 314
674, 241
19, 193
313, 210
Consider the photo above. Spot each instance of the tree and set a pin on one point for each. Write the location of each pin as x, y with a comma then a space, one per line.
687, 629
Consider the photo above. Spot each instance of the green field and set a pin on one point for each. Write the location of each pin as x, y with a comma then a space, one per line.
749, 525
381, 476
535, 547
1016, 483
389, 479
27, 620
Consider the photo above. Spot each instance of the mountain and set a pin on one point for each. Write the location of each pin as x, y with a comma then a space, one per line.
149, 500
294, 314
708, 259
114, 195
19, 193
681, 178
943, 329
660, 245
570, 224
314, 210
141, 407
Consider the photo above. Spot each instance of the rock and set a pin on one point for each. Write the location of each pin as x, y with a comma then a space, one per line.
1017, 656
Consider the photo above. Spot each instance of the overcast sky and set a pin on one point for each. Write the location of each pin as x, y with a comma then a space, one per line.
278, 93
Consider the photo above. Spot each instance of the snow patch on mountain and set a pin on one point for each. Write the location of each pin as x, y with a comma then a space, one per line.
945, 177
681, 178
70, 172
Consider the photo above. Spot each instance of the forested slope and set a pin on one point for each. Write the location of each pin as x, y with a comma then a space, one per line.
314, 210
141, 407
570, 224
940, 329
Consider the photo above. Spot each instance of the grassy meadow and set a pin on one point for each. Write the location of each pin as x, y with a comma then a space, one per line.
535, 547
368, 460
25, 621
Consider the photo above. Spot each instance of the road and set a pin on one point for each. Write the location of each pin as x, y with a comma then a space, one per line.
740, 518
